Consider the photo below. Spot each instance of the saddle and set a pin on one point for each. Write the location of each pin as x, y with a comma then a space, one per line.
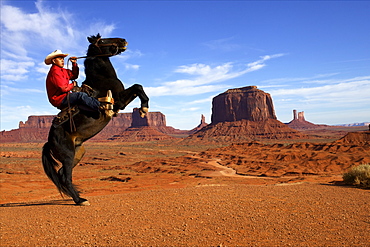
69, 112
64, 115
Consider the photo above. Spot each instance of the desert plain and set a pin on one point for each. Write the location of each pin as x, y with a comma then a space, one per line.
188, 193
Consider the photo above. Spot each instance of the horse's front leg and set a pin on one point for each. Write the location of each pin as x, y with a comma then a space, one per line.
128, 95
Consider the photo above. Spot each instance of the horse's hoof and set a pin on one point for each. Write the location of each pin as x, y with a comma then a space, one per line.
143, 111
83, 203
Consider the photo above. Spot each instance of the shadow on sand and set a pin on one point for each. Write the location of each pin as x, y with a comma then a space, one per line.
343, 184
40, 203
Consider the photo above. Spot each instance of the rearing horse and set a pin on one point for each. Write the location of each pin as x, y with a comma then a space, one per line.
65, 143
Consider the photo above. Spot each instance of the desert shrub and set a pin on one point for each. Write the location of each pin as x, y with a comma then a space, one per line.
358, 175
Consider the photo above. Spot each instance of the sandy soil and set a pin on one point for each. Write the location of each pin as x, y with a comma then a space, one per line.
211, 215
156, 194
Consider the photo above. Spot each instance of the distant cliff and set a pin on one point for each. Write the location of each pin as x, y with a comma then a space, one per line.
299, 122
36, 128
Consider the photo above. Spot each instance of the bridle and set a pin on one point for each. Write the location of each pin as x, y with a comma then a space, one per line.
99, 47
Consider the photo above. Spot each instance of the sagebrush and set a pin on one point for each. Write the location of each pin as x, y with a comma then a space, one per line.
358, 175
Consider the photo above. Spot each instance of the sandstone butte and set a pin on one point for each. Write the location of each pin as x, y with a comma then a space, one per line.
240, 114
244, 114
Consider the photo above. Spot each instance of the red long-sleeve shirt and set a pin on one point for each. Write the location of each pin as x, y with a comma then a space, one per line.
57, 83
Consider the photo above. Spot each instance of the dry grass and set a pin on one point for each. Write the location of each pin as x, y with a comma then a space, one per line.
359, 176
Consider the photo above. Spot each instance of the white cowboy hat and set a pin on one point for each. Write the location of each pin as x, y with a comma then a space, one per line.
54, 54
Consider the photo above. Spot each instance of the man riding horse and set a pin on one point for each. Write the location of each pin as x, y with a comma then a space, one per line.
64, 148
59, 88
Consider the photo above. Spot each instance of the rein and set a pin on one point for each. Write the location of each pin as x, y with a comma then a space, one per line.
100, 55
72, 125
101, 45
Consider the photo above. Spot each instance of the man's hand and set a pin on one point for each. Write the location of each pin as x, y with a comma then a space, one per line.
73, 59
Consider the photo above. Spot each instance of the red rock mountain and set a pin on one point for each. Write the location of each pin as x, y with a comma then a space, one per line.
145, 129
248, 103
36, 128
244, 114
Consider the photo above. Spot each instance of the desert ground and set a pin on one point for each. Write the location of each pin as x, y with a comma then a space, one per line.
169, 193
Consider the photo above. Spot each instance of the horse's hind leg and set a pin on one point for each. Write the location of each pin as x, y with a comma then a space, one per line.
79, 153
67, 175
128, 95
69, 157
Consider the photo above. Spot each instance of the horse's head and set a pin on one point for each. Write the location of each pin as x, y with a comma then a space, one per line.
106, 46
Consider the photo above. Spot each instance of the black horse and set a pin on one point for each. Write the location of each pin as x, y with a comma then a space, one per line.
64, 142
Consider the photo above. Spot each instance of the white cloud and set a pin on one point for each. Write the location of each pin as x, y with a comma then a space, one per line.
44, 28
261, 62
203, 75
222, 45
104, 29
128, 54
312, 79
346, 95
190, 109
6, 90
132, 66
201, 101
14, 71
197, 69
353, 87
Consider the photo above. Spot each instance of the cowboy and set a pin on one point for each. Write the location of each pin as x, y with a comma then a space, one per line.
59, 88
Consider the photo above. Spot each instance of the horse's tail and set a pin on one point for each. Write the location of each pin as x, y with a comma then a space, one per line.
50, 166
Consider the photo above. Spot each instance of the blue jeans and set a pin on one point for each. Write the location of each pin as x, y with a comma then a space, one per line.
82, 100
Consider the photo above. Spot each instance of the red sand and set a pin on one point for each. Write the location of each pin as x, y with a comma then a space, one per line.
165, 194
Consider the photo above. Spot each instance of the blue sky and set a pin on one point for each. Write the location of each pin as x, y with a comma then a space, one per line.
312, 56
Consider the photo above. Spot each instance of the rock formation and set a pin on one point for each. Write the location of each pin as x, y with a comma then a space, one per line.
299, 122
245, 130
244, 114
247, 103
200, 126
118, 124
151, 119
36, 128
144, 129
356, 138
142, 133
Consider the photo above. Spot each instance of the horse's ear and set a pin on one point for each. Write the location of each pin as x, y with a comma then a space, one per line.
92, 39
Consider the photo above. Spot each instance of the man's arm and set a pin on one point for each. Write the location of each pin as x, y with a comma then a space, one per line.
75, 69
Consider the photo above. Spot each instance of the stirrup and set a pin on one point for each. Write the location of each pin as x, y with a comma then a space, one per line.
108, 99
